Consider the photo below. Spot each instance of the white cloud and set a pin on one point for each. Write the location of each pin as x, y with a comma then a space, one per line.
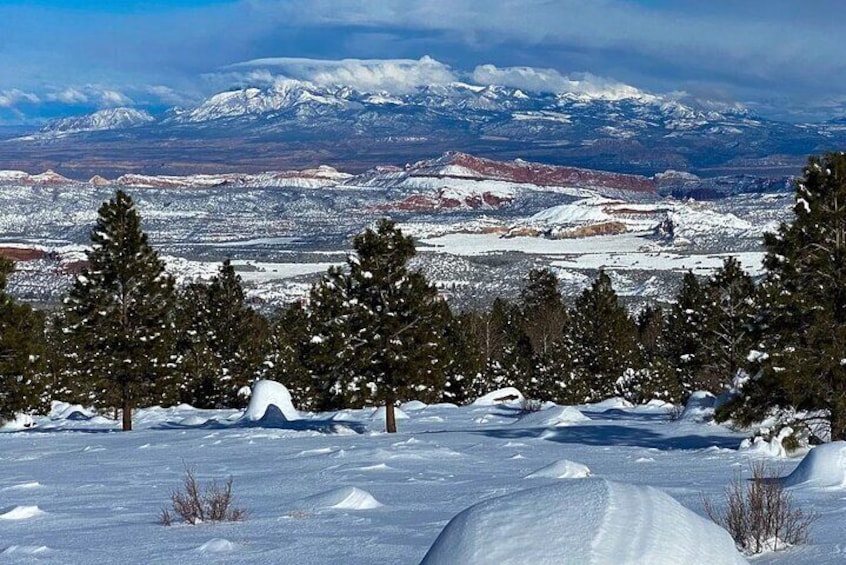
550, 80
166, 94
113, 98
392, 75
69, 96
13, 97
90, 94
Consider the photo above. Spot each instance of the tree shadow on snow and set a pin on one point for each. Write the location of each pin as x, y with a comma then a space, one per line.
612, 435
272, 421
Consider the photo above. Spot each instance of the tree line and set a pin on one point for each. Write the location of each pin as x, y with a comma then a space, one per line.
375, 332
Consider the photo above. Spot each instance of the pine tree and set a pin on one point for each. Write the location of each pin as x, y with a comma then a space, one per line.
603, 340
223, 345
286, 356
22, 351
729, 314
802, 325
544, 324
683, 334
117, 315
387, 320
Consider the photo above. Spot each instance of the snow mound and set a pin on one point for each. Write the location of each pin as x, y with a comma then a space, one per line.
266, 395
499, 396
563, 469
767, 448
344, 498
65, 411
216, 545
193, 421
18, 423
379, 414
21, 513
824, 467
590, 522
614, 403
555, 417
700, 407
413, 406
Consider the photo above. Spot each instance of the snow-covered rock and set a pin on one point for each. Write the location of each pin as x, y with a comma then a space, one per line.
823, 467
499, 396
590, 522
764, 447
562, 469
18, 423
270, 399
699, 407
344, 498
65, 411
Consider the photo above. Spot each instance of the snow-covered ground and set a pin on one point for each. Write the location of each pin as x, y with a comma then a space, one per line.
333, 488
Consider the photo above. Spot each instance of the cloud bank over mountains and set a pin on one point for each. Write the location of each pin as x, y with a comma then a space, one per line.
781, 57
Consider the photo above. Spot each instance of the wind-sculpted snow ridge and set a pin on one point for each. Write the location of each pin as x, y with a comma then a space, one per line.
590, 522
343, 498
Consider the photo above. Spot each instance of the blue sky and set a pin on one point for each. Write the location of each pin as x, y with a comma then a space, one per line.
782, 58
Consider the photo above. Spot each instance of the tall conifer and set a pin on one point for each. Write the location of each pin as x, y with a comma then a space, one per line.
117, 315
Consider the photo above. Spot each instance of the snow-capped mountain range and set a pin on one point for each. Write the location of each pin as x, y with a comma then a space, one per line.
294, 123
108, 119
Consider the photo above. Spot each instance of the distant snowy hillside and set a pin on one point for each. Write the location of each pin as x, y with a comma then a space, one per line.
108, 119
585, 124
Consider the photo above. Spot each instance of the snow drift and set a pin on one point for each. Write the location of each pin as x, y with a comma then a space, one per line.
699, 407
555, 417
563, 469
270, 400
499, 396
21, 513
344, 498
590, 522
823, 467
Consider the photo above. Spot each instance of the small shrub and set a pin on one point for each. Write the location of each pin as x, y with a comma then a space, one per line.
675, 411
193, 504
760, 514
529, 405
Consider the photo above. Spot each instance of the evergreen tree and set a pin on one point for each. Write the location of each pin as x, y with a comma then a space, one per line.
223, 345
21, 352
802, 326
603, 341
683, 334
729, 313
388, 320
286, 356
544, 324
117, 315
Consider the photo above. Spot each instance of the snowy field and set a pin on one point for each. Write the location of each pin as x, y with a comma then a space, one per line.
333, 488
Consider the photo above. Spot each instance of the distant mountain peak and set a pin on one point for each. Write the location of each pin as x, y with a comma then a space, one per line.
101, 120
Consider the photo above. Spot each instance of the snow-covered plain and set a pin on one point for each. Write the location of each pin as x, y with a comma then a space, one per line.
333, 488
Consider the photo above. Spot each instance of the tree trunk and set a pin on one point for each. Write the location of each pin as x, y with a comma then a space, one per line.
390, 418
127, 414
838, 423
